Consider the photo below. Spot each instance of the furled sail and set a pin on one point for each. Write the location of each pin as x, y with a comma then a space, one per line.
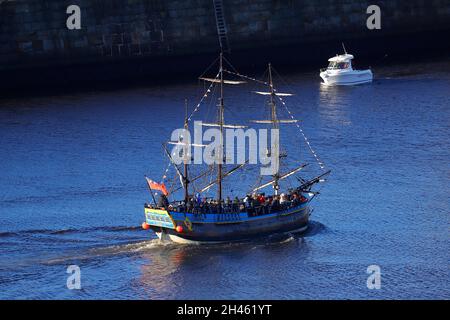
224, 126
187, 144
264, 93
274, 121
234, 82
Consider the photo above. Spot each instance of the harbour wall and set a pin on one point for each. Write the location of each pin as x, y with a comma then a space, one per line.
132, 39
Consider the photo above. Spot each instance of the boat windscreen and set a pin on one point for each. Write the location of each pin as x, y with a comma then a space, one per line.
338, 65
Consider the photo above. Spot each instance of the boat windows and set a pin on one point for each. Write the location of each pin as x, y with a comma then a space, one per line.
338, 65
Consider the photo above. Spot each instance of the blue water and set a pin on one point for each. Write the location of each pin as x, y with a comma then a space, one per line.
72, 192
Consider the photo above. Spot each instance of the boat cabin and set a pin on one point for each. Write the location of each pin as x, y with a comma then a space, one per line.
340, 62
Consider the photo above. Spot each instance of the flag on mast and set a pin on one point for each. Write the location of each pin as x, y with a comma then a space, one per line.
157, 186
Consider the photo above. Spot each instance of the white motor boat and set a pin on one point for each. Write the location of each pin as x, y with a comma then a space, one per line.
340, 72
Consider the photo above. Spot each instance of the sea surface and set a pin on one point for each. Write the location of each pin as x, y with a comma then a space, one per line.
72, 191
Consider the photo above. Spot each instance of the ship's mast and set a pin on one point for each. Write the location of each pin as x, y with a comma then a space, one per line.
185, 153
220, 123
274, 119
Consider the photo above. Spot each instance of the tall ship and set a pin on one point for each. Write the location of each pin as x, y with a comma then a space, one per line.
183, 211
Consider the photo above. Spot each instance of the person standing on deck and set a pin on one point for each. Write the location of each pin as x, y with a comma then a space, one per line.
261, 199
228, 202
198, 199
163, 202
236, 204
247, 201
283, 199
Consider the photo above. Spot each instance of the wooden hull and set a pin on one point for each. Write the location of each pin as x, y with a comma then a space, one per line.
229, 227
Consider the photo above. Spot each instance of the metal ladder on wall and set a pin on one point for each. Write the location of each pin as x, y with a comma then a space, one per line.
221, 26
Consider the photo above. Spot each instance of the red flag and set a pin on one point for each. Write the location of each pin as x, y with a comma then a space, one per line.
157, 186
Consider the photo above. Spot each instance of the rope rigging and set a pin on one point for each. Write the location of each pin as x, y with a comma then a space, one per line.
210, 90
297, 123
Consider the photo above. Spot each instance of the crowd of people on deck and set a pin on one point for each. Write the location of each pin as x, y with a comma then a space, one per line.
255, 204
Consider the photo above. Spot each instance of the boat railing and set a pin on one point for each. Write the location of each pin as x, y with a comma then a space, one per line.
268, 209
235, 208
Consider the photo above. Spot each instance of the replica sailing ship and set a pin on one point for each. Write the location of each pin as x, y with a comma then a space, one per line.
199, 219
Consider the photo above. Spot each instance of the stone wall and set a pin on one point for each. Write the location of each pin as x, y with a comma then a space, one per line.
292, 21
35, 30
34, 33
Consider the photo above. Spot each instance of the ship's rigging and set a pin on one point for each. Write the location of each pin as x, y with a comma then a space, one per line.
190, 185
